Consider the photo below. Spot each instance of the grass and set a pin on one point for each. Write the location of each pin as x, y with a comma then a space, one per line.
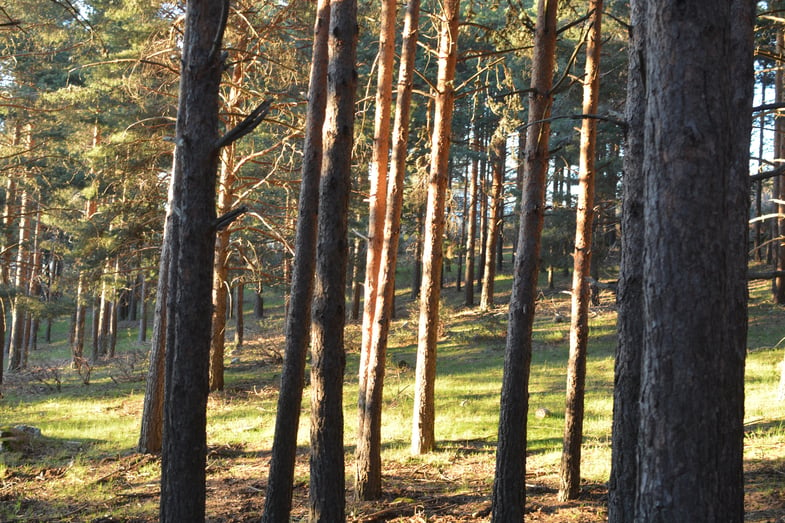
85, 467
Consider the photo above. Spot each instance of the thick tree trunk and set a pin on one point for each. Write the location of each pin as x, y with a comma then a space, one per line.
570, 474
190, 276
423, 437
629, 297
696, 210
509, 495
258, 303
328, 358
498, 150
278, 500
368, 455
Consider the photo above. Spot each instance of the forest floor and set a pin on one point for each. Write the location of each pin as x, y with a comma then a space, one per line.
84, 468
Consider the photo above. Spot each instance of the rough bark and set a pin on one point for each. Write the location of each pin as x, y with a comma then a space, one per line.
696, 168
190, 305
423, 437
278, 500
627, 372
570, 473
509, 496
368, 483
328, 359
498, 154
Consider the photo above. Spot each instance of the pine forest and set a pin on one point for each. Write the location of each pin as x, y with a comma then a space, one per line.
416, 261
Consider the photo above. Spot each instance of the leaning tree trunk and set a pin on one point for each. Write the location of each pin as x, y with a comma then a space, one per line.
509, 495
190, 305
368, 454
629, 296
328, 358
423, 438
696, 166
151, 434
278, 499
570, 474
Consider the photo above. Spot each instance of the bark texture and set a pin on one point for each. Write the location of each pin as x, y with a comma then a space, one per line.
509, 495
697, 134
627, 371
278, 500
423, 437
570, 474
190, 276
327, 496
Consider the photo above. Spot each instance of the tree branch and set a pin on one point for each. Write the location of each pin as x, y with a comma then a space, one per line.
225, 220
250, 123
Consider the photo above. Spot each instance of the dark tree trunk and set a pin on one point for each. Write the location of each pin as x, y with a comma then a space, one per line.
190, 277
629, 296
239, 330
142, 308
328, 359
696, 168
278, 501
509, 495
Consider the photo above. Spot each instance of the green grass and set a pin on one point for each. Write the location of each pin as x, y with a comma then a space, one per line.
88, 429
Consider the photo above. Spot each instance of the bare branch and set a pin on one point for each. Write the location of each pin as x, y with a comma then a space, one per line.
250, 123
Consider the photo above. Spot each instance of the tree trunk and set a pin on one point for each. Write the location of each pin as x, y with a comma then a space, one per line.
278, 500
239, 330
696, 210
629, 296
779, 185
142, 308
81, 311
356, 281
496, 211
258, 303
423, 438
190, 305
471, 229
18, 313
368, 483
509, 495
378, 191
328, 358
570, 474
151, 434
